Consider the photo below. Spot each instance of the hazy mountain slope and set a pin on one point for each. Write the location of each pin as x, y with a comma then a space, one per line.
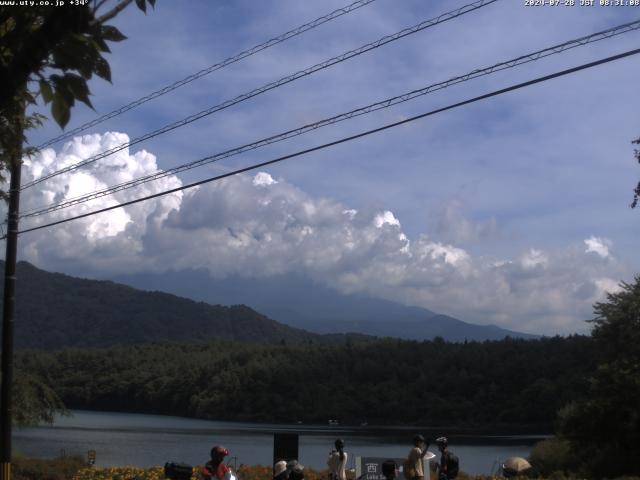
299, 302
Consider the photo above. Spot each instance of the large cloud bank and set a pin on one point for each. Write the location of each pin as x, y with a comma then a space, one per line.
255, 225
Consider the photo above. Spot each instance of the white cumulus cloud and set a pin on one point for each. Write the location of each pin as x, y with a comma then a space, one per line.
598, 245
253, 225
386, 218
534, 258
111, 241
263, 178
455, 227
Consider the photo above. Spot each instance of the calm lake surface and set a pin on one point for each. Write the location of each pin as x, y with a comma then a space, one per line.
149, 440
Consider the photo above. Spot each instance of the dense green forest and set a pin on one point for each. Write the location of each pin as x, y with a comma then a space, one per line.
509, 382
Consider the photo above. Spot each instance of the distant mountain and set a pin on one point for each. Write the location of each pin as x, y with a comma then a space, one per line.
55, 311
301, 303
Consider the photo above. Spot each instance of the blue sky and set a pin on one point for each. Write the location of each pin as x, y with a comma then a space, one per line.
512, 211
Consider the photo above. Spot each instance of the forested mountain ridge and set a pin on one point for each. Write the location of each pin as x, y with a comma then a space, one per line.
499, 383
54, 311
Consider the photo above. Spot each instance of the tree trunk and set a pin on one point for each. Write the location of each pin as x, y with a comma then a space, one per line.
8, 313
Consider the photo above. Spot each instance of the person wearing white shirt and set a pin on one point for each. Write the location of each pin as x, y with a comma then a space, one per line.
337, 462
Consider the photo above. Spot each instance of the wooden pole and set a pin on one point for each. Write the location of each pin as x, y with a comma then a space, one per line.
9, 302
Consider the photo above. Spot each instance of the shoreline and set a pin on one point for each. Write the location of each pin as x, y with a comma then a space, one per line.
493, 431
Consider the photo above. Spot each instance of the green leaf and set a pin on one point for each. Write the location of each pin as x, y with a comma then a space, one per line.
142, 5
29, 98
78, 87
62, 58
112, 34
80, 38
61, 88
60, 110
101, 45
45, 91
75, 53
86, 70
7, 26
102, 69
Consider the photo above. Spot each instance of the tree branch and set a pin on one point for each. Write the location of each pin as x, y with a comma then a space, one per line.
112, 13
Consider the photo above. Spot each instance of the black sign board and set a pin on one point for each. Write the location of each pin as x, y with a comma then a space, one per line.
285, 446
370, 468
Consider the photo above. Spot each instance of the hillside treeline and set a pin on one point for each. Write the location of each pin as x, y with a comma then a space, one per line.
508, 382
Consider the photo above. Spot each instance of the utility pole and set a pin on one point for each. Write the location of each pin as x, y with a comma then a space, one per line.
9, 300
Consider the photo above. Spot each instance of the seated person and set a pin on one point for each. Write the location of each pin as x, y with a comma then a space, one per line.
280, 471
296, 470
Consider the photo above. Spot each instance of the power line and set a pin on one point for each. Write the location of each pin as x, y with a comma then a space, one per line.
206, 71
345, 139
270, 86
620, 29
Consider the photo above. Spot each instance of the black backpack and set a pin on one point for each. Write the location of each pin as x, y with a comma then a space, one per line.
178, 471
453, 465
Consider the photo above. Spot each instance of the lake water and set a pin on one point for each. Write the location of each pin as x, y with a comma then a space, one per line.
149, 440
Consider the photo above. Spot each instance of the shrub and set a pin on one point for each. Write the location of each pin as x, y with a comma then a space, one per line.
63, 468
124, 473
552, 457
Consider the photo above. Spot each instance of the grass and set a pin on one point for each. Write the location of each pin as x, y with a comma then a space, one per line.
63, 468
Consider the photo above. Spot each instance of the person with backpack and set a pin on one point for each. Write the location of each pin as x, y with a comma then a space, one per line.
448, 466
337, 462
413, 468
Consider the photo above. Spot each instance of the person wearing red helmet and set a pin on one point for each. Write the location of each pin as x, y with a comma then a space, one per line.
215, 468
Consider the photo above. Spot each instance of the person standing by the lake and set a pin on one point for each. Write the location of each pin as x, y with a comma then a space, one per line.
215, 468
413, 467
448, 466
337, 461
